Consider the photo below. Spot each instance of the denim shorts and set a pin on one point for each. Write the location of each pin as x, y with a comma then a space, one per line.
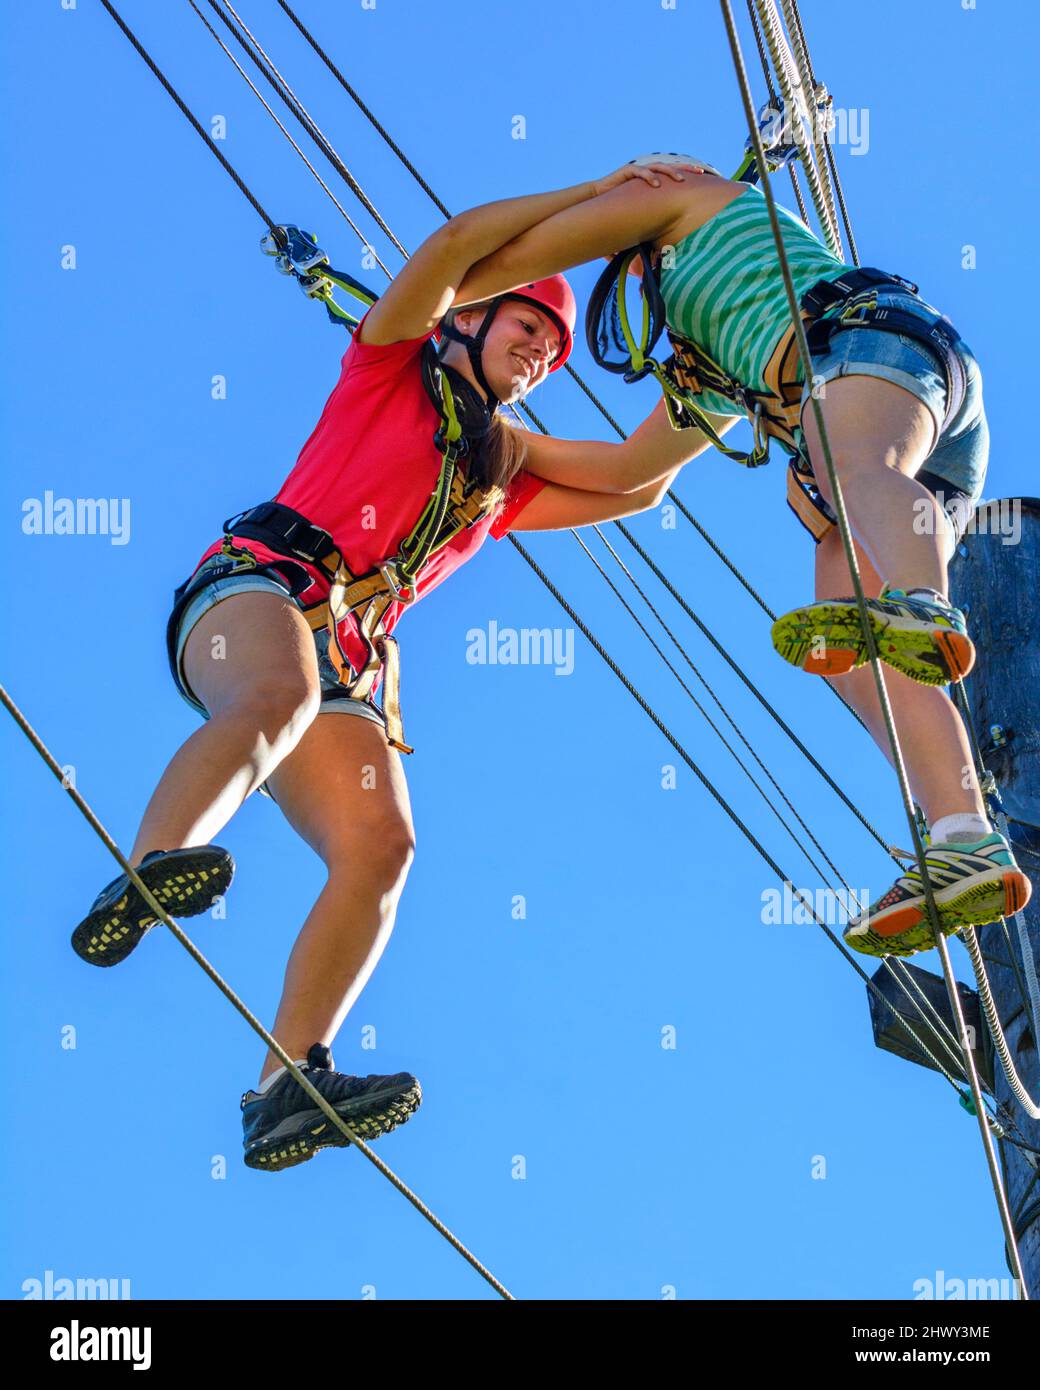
960, 456
334, 699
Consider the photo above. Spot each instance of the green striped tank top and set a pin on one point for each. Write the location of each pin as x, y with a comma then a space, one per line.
723, 290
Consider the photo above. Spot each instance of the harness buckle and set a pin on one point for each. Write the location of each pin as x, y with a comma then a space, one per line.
315, 286
403, 594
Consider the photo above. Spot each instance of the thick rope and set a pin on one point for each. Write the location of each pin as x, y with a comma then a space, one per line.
795, 109
814, 95
831, 161
992, 1016
868, 635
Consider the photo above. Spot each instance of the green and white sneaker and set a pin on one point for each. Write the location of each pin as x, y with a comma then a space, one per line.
972, 883
925, 640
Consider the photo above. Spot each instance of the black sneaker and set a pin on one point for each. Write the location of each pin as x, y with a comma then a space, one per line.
283, 1126
185, 882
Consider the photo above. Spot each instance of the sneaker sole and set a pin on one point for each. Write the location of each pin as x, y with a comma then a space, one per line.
928, 655
391, 1110
185, 889
974, 903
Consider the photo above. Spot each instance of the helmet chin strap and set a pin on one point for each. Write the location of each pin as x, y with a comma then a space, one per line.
474, 346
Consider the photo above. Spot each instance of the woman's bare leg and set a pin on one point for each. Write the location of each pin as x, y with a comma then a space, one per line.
342, 790
251, 662
931, 733
880, 436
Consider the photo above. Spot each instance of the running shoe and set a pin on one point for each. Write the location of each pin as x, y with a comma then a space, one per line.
972, 883
925, 640
283, 1126
184, 881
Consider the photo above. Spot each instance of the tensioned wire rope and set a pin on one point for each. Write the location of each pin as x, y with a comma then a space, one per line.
229, 994
802, 60
351, 182
768, 73
904, 979
992, 1163
598, 647
831, 160
852, 962
919, 1042
266, 66
226, 164
160, 912
676, 501
898, 969
795, 112
1029, 989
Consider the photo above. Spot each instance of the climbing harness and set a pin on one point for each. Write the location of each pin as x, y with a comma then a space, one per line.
57, 771
456, 503
827, 307
805, 354
850, 301
676, 501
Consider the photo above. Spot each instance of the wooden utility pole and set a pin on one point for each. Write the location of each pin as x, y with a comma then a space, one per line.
995, 579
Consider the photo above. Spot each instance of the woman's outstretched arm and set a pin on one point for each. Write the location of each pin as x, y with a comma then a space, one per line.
621, 217
648, 454
559, 508
423, 291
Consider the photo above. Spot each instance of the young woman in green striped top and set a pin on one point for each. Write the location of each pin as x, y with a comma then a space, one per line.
910, 445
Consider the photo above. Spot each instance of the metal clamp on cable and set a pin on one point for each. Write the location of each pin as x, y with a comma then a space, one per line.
779, 153
294, 252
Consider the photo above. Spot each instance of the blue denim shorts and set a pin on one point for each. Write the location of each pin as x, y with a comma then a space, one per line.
960, 456
334, 699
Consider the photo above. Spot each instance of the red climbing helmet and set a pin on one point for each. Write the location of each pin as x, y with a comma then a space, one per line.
554, 297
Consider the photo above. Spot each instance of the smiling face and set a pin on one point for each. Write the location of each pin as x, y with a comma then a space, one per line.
520, 347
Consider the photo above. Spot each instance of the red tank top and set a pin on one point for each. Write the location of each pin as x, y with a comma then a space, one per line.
368, 470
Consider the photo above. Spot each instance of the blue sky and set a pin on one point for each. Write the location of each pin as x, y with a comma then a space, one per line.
646, 1168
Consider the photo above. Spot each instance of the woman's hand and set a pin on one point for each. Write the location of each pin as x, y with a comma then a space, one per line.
649, 173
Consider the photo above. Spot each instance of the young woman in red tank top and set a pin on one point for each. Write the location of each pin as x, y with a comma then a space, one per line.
249, 654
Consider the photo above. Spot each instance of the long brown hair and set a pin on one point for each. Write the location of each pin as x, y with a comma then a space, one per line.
502, 452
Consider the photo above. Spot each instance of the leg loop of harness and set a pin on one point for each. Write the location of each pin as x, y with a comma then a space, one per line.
369, 598
856, 291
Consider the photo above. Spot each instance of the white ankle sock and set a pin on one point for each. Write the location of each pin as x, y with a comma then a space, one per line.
265, 1086
960, 829
932, 595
